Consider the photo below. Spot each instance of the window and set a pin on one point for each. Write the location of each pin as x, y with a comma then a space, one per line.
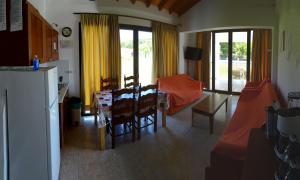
136, 53
231, 61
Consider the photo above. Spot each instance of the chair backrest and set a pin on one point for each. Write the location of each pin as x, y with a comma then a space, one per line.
147, 103
109, 83
131, 81
123, 105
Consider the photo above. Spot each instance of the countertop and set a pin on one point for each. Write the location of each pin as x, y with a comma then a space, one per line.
62, 93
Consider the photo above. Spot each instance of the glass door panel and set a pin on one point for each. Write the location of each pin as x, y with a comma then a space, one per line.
127, 60
239, 61
251, 45
221, 61
145, 57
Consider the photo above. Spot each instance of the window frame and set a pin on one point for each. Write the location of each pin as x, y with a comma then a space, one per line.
230, 46
135, 30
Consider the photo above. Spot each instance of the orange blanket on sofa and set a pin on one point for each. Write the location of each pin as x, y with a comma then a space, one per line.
181, 89
250, 113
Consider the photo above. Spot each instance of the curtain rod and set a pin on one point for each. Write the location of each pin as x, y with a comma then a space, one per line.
78, 13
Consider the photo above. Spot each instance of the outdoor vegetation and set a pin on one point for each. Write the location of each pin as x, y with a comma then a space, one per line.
145, 56
239, 51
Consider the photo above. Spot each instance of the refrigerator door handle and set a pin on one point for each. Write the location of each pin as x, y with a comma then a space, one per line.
5, 141
7, 136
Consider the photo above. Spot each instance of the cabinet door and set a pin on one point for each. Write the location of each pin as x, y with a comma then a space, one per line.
48, 42
36, 36
55, 54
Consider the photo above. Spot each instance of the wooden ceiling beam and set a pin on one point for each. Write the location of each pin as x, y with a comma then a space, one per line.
175, 5
181, 10
162, 4
148, 2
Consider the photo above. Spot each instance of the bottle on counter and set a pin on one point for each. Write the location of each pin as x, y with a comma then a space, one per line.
36, 63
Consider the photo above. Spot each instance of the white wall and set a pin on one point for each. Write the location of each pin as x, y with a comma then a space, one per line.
40, 5
214, 14
61, 13
289, 60
186, 39
210, 15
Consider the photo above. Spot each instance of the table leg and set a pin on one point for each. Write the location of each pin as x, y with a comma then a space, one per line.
192, 118
211, 124
164, 116
101, 136
226, 105
96, 115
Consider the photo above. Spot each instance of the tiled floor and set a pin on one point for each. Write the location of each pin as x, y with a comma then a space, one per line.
176, 152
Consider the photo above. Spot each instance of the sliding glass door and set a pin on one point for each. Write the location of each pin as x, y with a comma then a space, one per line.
230, 60
221, 61
136, 52
127, 58
239, 61
145, 57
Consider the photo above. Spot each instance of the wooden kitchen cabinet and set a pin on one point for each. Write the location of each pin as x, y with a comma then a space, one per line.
48, 42
37, 37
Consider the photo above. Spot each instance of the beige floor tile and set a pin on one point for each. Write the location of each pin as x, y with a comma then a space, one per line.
179, 151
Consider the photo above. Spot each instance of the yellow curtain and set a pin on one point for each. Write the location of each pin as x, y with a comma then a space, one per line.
261, 56
95, 34
165, 50
202, 70
115, 48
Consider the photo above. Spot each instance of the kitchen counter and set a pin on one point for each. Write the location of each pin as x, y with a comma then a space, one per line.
62, 93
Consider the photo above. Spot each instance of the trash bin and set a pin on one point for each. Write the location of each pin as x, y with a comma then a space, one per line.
75, 104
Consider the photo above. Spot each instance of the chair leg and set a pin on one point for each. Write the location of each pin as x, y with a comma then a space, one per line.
139, 128
107, 122
133, 131
125, 127
113, 137
155, 122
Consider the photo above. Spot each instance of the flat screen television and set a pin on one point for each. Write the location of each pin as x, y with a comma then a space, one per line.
192, 53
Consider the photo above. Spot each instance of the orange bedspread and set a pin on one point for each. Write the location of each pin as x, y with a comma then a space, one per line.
181, 89
250, 113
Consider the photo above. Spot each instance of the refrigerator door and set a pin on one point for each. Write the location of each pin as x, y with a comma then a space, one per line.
27, 123
51, 86
53, 142
3, 137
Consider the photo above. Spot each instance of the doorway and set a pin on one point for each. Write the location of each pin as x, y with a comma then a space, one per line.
136, 53
231, 60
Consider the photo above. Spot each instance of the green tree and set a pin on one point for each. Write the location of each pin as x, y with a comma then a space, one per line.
145, 47
223, 50
239, 51
127, 44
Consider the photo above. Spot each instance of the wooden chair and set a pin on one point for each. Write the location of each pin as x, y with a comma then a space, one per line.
131, 81
122, 112
108, 83
147, 108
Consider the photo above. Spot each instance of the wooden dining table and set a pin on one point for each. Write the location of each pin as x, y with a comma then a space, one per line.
102, 110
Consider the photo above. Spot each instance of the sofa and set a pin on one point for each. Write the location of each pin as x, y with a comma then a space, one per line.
181, 90
228, 155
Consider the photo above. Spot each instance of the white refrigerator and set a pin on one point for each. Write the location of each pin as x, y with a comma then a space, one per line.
29, 124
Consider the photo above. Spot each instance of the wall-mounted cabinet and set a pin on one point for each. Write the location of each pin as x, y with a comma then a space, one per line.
38, 37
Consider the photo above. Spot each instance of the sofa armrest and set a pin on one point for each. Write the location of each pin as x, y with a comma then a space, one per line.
249, 93
252, 84
200, 85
